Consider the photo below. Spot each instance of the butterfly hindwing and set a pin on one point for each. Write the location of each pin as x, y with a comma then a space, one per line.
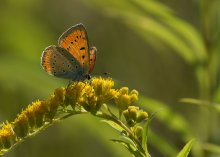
92, 55
75, 41
58, 62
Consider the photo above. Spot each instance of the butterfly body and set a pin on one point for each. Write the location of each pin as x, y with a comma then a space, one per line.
72, 58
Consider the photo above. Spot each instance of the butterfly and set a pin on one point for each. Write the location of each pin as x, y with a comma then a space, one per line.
73, 58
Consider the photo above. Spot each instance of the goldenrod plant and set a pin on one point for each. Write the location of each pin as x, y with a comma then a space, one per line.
92, 98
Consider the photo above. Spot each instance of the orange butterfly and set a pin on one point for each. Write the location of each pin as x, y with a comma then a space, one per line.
73, 58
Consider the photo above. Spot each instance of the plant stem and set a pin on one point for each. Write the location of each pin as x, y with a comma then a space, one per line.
131, 135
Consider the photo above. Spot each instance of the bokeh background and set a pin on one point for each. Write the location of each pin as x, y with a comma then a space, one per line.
167, 50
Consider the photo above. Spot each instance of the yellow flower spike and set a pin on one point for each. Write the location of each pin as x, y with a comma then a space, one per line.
134, 92
90, 104
102, 86
60, 94
130, 115
138, 131
126, 115
21, 126
122, 101
123, 91
56, 100
74, 93
7, 135
134, 115
133, 112
29, 112
40, 109
142, 115
103, 91
133, 96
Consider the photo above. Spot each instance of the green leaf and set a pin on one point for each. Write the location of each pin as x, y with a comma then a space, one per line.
162, 144
145, 132
173, 120
144, 136
129, 147
201, 103
191, 37
211, 148
186, 149
113, 125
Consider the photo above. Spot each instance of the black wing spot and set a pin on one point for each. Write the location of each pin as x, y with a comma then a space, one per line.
52, 67
53, 63
71, 42
54, 56
83, 63
77, 37
83, 56
82, 48
90, 59
76, 66
75, 40
64, 71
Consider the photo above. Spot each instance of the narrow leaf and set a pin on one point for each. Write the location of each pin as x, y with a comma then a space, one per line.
186, 149
114, 125
129, 147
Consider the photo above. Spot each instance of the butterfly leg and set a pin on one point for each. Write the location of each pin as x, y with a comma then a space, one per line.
70, 82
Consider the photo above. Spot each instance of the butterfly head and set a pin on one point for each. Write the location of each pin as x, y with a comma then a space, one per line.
88, 76
82, 77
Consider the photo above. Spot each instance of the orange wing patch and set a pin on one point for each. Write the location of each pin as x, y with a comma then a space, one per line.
47, 55
92, 54
75, 41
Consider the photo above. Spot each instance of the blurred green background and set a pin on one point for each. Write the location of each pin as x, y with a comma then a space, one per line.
165, 49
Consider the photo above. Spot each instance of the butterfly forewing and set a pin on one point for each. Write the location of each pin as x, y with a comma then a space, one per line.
75, 41
58, 62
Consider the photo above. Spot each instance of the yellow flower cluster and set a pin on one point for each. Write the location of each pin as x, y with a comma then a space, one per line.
134, 115
81, 96
90, 95
7, 136
125, 99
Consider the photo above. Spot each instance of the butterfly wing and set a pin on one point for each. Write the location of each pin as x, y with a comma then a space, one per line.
92, 55
58, 62
75, 41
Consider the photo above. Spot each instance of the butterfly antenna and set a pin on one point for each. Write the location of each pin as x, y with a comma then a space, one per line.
106, 73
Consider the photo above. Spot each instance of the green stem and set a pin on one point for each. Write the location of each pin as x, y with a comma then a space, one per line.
46, 125
131, 135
